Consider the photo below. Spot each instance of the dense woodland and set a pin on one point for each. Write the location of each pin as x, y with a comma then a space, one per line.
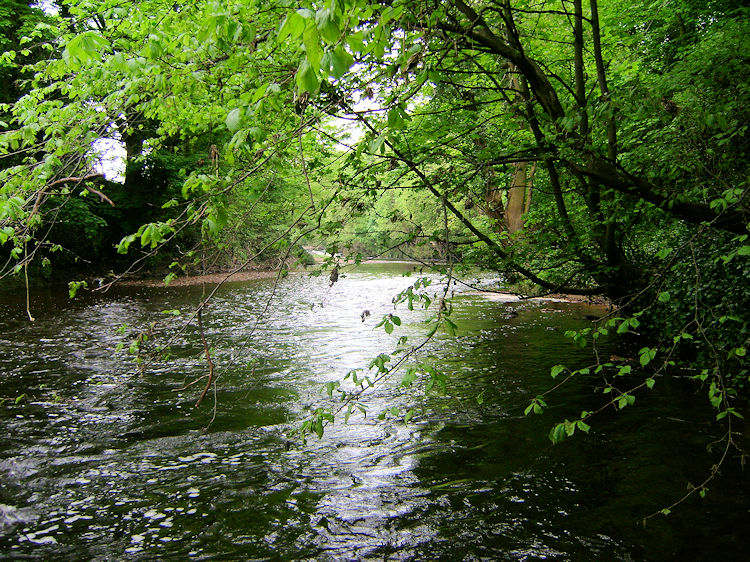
577, 146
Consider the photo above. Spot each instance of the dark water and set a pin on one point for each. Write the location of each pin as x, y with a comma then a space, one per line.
97, 463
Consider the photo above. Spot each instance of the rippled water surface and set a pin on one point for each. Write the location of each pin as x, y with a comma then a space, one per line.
97, 462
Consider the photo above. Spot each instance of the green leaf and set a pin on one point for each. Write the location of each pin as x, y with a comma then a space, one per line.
663, 253
313, 49
376, 144
5, 233
728, 411
409, 377
340, 62
84, 47
664, 296
395, 121
318, 428
356, 41
558, 433
74, 286
306, 78
650, 383
556, 370
234, 120
570, 428
331, 386
380, 362
152, 235
624, 370
646, 355
625, 400
409, 415
292, 27
328, 25
122, 247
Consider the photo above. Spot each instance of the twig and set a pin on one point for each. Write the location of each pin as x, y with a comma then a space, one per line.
26, 279
304, 169
208, 358
188, 385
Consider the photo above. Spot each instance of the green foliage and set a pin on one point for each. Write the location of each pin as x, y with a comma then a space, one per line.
75, 286
20, 26
566, 429
388, 322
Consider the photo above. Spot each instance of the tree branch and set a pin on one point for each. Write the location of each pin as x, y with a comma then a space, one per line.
607, 174
502, 254
80, 180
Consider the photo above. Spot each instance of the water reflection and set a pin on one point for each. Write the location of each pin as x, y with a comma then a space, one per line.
97, 463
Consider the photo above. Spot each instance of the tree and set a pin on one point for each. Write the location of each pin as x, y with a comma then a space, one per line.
633, 170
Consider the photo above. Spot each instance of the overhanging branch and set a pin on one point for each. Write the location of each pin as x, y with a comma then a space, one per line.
81, 180
608, 175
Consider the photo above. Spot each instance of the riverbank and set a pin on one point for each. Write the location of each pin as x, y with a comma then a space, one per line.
243, 276
208, 279
500, 296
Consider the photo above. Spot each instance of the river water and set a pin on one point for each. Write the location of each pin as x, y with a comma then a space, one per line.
100, 462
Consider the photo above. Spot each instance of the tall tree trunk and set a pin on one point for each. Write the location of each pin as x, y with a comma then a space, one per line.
519, 196
133, 136
133, 168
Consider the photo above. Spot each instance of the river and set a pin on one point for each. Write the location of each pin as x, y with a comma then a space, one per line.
100, 462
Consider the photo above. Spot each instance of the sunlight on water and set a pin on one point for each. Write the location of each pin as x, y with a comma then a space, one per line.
100, 462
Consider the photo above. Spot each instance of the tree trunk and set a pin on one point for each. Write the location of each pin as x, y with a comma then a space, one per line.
519, 196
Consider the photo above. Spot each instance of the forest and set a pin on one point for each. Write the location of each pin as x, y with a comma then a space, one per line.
589, 148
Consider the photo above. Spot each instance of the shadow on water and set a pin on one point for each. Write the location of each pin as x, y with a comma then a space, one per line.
99, 463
